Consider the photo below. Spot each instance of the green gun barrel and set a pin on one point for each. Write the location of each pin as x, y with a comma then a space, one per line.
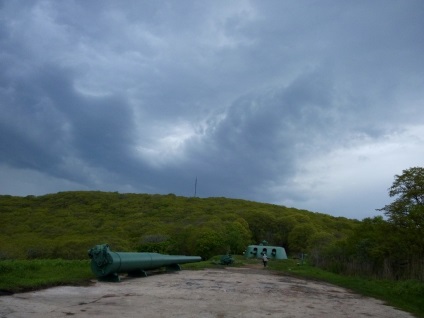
106, 265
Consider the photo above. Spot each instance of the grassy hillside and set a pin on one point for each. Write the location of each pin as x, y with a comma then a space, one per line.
62, 227
65, 225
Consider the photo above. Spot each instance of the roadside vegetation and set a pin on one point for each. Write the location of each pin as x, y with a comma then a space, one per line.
405, 295
25, 275
44, 239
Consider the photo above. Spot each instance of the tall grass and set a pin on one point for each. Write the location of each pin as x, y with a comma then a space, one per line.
23, 275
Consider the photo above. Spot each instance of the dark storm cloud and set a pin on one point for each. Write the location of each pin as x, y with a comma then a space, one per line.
50, 121
297, 103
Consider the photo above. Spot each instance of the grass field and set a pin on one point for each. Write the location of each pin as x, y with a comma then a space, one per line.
24, 275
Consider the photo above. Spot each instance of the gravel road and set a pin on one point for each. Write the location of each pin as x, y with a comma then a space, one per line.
231, 292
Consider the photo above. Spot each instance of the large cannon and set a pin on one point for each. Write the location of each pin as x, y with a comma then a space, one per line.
106, 265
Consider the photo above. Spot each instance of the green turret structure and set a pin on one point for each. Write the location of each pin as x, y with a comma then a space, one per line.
272, 252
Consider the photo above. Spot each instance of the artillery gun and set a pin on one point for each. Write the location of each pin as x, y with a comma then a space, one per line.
106, 264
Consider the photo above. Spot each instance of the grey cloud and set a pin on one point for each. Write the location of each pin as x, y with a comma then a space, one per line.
243, 94
259, 138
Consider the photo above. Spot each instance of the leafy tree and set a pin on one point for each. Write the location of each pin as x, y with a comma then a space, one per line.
406, 214
300, 236
373, 241
157, 243
261, 224
408, 188
319, 243
284, 225
237, 236
208, 242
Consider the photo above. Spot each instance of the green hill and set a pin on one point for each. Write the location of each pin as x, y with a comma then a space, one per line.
66, 224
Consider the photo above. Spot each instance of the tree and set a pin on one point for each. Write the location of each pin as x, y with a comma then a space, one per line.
299, 237
237, 236
406, 215
409, 190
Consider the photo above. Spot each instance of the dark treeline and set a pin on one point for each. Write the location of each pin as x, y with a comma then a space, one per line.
65, 225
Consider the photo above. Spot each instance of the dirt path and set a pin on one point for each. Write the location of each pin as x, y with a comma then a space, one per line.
233, 292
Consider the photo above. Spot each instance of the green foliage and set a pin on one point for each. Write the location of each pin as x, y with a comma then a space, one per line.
389, 249
155, 244
237, 236
408, 188
300, 237
208, 242
65, 225
22, 275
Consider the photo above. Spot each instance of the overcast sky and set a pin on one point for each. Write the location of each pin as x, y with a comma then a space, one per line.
315, 105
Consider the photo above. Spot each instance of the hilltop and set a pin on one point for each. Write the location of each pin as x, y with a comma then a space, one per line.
66, 224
